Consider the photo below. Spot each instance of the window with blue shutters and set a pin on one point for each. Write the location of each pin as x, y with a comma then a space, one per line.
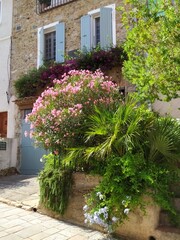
51, 43
98, 27
50, 46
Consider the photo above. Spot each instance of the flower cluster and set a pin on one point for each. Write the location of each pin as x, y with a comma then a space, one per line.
103, 59
37, 80
59, 113
101, 216
100, 211
126, 202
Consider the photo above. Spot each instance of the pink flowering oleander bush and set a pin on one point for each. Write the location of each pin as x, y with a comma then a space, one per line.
60, 113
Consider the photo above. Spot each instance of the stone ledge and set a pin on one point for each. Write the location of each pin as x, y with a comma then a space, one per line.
27, 102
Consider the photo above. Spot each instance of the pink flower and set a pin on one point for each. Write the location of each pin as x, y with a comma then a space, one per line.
56, 152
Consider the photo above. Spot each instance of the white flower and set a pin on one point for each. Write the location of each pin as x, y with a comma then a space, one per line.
126, 211
106, 209
85, 208
124, 202
99, 194
114, 219
100, 197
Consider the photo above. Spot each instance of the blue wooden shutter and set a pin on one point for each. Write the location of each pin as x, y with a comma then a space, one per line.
106, 27
60, 42
40, 47
86, 33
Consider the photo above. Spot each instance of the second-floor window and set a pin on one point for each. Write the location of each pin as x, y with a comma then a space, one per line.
50, 46
96, 31
98, 27
51, 43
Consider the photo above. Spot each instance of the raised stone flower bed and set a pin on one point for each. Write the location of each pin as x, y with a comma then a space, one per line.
139, 226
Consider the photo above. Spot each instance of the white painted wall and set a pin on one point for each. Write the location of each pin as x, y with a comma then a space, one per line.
8, 158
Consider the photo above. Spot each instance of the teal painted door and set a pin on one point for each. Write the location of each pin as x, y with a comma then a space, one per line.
30, 155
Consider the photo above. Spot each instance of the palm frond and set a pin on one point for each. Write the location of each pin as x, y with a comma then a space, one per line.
164, 140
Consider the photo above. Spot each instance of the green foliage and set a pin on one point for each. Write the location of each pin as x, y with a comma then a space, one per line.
27, 85
153, 48
58, 116
140, 152
30, 83
101, 59
55, 185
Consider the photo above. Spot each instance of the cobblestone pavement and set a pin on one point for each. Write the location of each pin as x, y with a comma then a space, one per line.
19, 190
19, 193
18, 224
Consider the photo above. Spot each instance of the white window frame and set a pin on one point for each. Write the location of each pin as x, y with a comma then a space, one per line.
47, 29
0, 11
96, 13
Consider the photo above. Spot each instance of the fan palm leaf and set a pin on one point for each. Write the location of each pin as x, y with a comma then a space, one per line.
164, 140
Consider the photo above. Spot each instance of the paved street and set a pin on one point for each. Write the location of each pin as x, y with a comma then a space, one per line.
18, 196
18, 224
20, 190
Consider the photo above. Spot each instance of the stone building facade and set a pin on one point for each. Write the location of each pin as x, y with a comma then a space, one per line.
27, 21
78, 24
55, 31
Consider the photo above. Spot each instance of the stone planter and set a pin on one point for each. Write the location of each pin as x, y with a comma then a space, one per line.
138, 227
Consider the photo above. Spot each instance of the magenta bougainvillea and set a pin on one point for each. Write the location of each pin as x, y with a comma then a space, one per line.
59, 114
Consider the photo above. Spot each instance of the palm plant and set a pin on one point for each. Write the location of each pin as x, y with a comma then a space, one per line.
114, 132
138, 153
164, 141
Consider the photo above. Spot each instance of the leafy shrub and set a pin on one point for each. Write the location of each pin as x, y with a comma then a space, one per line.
28, 84
56, 71
38, 79
139, 153
55, 185
59, 114
101, 59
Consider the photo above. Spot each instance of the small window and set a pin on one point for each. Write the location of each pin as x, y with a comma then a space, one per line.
3, 124
98, 27
50, 46
51, 43
97, 30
